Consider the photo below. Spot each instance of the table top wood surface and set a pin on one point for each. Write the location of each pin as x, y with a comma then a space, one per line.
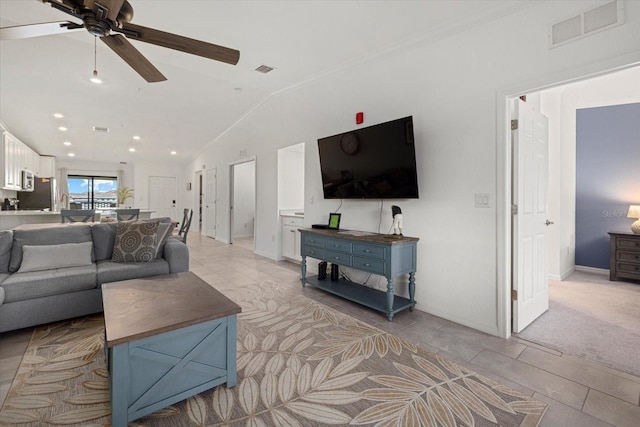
387, 239
140, 308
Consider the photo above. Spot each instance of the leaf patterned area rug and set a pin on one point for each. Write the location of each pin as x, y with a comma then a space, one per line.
300, 363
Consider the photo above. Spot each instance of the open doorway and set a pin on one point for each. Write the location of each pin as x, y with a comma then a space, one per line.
585, 308
242, 203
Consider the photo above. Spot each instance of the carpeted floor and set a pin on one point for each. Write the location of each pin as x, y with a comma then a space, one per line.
592, 318
299, 364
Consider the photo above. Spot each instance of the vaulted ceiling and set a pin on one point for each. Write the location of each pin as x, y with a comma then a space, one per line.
302, 40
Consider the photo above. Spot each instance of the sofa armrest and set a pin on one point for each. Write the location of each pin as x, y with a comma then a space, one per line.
177, 255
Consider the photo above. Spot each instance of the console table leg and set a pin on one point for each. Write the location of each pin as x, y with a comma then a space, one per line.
412, 290
303, 268
389, 299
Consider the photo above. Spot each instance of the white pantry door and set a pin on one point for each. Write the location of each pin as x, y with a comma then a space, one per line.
210, 203
162, 196
530, 181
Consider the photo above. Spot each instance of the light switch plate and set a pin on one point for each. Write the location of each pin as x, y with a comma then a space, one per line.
483, 200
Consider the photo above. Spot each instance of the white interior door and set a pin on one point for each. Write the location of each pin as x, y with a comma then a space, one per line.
162, 196
210, 203
530, 181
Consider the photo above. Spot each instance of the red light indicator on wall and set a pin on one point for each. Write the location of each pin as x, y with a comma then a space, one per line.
359, 118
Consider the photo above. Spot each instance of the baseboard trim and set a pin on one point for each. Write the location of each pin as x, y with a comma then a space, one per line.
563, 276
594, 270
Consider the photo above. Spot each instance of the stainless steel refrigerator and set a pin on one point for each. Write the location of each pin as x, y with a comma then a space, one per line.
42, 197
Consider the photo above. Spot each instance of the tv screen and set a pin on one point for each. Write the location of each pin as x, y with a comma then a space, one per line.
375, 162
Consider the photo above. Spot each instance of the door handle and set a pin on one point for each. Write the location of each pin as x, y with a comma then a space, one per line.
548, 223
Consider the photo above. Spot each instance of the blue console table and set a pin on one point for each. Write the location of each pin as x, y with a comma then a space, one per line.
373, 253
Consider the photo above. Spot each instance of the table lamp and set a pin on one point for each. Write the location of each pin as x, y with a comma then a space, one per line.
634, 212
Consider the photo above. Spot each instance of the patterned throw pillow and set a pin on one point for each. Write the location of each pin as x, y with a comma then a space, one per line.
135, 241
164, 231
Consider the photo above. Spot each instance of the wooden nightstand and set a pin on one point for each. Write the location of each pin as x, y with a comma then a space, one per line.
624, 256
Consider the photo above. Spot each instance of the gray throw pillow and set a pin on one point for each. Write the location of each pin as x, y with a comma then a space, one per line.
49, 257
135, 241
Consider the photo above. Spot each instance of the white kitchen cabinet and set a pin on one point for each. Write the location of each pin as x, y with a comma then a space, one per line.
47, 167
291, 237
11, 159
16, 157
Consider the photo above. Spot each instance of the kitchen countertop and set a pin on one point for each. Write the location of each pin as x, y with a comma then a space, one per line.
292, 212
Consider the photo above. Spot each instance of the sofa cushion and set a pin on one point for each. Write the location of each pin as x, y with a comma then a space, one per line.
36, 284
48, 257
6, 241
109, 271
135, 241
46, 236
104, 236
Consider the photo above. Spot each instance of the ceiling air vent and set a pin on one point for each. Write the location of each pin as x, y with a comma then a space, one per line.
100, 129
595, 20
264, 69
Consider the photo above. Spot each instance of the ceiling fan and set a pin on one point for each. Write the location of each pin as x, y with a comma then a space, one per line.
102, 17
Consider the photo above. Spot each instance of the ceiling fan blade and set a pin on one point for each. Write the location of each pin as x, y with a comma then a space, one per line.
37, 30
110, 8
125, 50
181, 43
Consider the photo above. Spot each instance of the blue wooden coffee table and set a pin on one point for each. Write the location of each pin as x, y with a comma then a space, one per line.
167, 338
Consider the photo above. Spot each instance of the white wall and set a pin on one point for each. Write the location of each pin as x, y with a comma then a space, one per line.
244, 196
450, 87
291, 177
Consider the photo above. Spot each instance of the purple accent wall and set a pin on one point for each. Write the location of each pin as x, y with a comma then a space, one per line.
607, 177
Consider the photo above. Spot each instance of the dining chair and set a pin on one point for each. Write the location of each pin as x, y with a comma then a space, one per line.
78, 215
127, 214
184, 227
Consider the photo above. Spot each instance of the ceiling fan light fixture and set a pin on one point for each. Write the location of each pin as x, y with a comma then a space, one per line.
95, 79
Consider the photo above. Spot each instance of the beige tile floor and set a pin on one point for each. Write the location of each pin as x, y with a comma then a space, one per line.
580, 393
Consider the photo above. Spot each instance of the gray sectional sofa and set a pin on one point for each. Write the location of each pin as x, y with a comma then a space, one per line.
43, 288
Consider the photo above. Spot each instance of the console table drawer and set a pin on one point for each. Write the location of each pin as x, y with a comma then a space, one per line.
372, 251
314, 252
628, 244
314, 241
338, 258
370, 265
338, 245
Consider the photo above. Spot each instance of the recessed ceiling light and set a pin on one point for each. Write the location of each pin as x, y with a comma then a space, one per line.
62, 128
132, 149
66, 143
173, 153
58, 116
71, 154
136, 137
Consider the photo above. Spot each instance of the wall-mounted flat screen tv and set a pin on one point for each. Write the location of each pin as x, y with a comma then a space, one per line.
375, 162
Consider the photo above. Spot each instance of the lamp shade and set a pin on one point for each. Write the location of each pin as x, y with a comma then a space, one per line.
634, 212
